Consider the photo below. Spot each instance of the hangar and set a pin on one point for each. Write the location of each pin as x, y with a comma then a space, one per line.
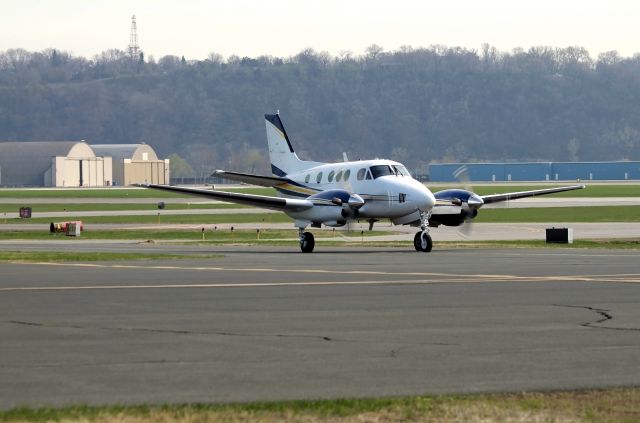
134, 163
52, 164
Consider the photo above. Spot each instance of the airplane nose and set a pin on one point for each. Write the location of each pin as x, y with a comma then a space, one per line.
426, 199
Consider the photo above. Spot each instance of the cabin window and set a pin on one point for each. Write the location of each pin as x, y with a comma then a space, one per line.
346, 175
330, 177
319, 177
360, 174
381, 170
306, 179
338, 176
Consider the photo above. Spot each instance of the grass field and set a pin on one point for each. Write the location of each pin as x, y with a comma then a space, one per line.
511, 215
198, 219
328, 238
560, 214
210, 235
595, 190
78, 207
598, 191
595, 406
113, 193
71, 256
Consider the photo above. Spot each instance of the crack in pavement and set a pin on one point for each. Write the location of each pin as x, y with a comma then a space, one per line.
172, 331
606, 316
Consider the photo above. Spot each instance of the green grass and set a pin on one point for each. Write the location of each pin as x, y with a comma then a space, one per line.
327, 238
88, 193
112, 193
71, 256
210, 235
595, 190
205, 219
502, 215
592, 190
78, 207
613, 244
560, 214
605, 406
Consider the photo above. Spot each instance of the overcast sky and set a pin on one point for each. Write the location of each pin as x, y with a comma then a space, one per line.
194, 28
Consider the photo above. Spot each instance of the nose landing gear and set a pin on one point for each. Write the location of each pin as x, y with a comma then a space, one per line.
422, 241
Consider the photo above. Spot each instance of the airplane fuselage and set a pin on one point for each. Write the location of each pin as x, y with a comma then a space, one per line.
386, 186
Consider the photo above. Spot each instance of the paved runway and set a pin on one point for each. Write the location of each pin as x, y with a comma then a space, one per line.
268, 324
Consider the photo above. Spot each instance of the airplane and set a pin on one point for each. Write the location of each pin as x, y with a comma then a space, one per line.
334, 194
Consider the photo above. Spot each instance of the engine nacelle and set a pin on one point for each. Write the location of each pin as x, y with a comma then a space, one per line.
332, 207
464, 205
455, 196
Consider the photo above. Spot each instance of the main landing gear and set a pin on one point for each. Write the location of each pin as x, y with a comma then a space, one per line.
422, 241
307, 242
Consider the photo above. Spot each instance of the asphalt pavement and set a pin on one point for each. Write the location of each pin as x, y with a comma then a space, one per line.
261, 323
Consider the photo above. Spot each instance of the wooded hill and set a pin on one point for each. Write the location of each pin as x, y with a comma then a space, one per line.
414, 105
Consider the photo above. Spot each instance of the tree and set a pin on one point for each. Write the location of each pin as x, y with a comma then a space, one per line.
179, 167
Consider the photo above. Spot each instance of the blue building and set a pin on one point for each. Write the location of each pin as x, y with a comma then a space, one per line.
543, 171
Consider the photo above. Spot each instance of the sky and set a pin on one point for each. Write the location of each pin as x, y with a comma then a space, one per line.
282, 28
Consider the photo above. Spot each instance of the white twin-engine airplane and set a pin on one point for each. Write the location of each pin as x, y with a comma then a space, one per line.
333, 194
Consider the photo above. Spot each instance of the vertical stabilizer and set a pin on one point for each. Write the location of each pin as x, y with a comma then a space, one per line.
283, 159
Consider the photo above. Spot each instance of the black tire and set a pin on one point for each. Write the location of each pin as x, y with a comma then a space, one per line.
422, 242
307, 243
417, 243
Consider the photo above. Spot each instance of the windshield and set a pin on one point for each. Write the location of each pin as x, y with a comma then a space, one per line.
381, 170
401, 170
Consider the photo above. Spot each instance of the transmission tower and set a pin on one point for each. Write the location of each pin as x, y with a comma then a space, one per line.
134, 49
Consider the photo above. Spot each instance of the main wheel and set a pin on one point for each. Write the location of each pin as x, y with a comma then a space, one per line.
307, 242
423, 242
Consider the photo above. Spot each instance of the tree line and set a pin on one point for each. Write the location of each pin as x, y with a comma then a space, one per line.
415, 105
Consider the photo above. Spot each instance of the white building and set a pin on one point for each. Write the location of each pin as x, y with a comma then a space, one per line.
53, 164
134, 163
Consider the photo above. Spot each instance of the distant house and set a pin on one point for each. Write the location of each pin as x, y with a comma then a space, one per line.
134, 163
52, 164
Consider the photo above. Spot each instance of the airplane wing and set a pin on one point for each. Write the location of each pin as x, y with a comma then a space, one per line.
264, 181
264, 201
495, 198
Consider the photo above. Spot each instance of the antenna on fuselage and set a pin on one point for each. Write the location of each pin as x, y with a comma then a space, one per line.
344, 156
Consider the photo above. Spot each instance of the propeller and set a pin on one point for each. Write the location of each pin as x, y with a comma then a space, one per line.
354, 203
472, 204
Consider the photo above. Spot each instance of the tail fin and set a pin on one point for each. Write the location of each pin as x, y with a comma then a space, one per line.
283, 159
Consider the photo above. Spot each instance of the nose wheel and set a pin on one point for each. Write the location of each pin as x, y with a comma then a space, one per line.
307, 242
422, 242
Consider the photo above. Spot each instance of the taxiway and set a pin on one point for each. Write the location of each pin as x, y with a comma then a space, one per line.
263, 323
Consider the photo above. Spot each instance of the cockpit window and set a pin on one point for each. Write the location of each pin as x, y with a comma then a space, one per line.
306, 179
401, 170
381, 170
360, 174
